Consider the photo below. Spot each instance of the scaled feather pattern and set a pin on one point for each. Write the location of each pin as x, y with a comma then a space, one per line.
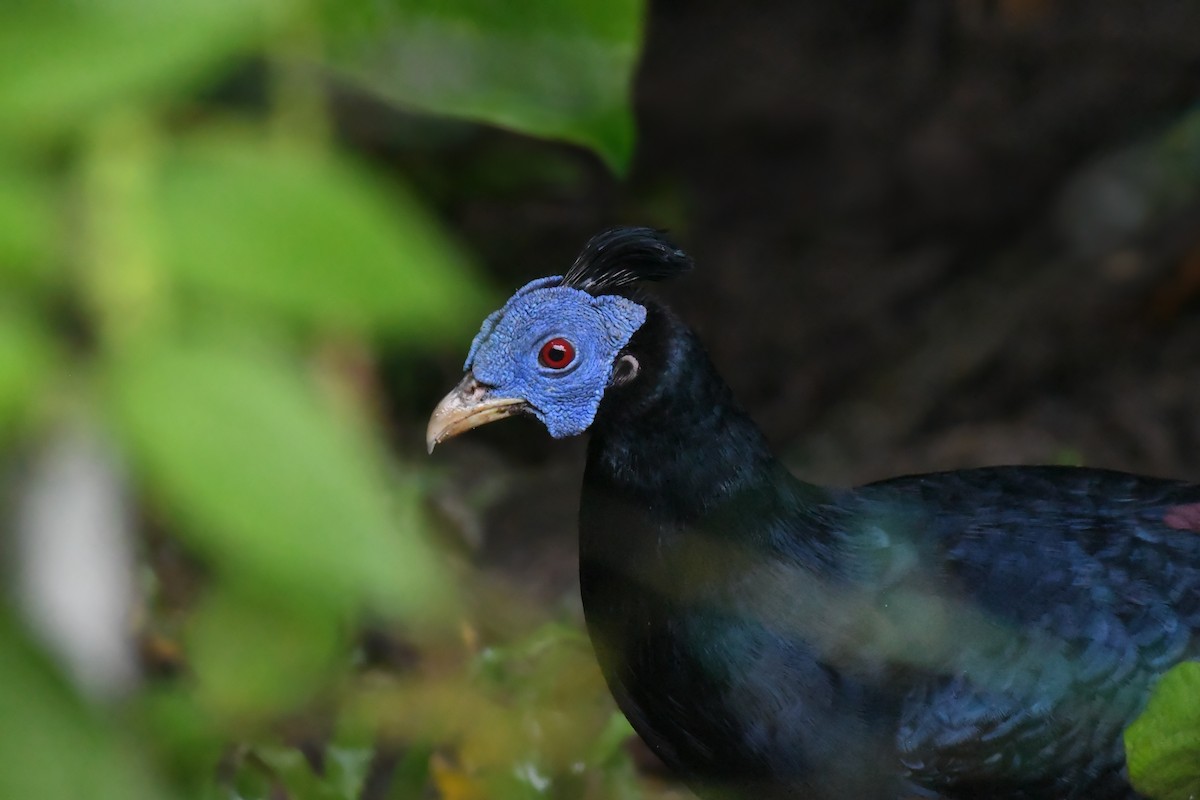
564, 399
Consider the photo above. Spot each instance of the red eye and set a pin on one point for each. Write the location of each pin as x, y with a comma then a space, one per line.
557, 353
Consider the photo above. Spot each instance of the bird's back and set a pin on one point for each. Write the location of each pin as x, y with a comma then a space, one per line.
990, 636
1081, 587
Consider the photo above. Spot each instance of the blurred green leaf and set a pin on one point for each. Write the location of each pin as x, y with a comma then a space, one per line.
26, 355
267, 480
60, 59
27, 223
254, 655
557, 730
621, 782
412, 773
346, 769
609, 746
560, 70
341, 779
181, 735
1163, 744
315, 238
51, 746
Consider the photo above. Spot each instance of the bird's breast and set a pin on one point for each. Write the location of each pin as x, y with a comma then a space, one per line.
721, 695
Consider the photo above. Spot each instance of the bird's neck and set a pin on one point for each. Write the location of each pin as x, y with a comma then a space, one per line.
689, 447
678, 448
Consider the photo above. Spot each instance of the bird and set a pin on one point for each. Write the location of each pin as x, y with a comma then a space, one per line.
979, 633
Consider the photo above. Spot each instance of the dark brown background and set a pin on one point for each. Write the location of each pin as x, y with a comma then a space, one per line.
928, 235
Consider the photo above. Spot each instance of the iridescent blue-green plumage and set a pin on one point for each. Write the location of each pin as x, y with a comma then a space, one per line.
983, 633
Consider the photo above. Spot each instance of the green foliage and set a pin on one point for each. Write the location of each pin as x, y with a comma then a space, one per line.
53, 745
26, 355
257, 654
343, 775
356, 254
265, 479
1163, 744
531, 719
62, 60
204, 287
557, 69
27, 224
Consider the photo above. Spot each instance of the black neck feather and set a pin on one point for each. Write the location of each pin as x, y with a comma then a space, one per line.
676, 439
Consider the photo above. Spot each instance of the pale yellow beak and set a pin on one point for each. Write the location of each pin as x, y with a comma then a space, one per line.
468, 406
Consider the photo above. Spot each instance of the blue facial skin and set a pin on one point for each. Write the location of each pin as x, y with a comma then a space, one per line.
505, 354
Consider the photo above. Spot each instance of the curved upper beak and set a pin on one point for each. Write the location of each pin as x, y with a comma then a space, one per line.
468, 406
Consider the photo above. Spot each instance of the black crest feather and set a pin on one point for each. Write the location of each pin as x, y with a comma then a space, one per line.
621, 256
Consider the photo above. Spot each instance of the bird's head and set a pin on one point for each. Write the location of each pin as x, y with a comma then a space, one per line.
559, 343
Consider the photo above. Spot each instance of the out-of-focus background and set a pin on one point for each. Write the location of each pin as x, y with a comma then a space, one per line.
244, 246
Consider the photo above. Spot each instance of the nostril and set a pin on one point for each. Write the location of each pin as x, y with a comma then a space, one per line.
474, 390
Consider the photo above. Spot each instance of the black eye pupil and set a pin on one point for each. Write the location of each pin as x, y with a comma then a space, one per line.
557, 353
